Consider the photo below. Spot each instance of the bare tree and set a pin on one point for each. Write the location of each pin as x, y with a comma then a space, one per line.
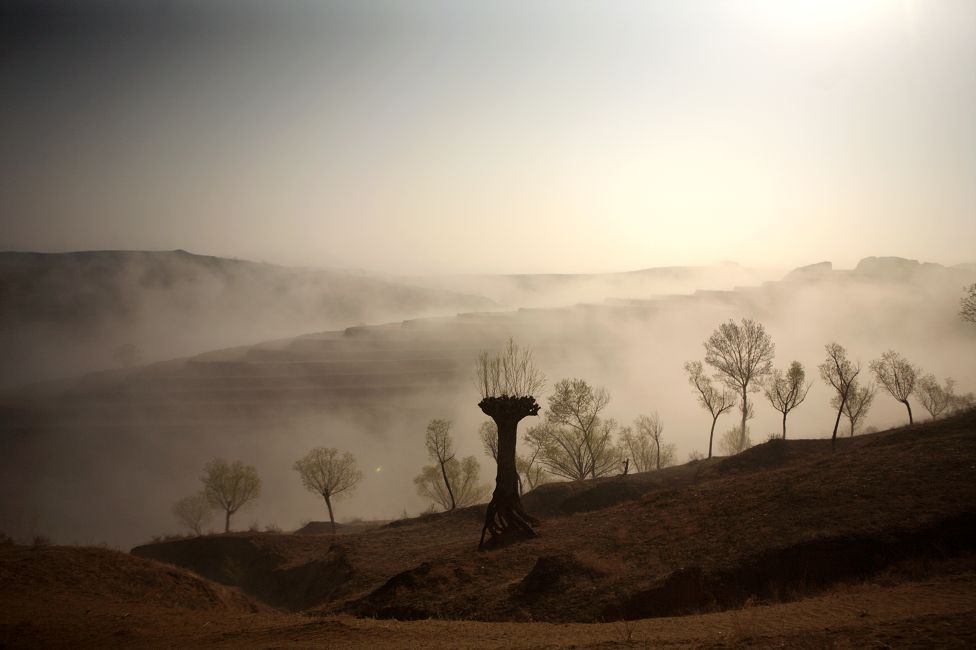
857, 405
898, 376
229, 486
839, 373
742, 353
460, 488
967, 306
508, 383
710, 398
193, 512
488, 433
573, 453
440, 449
574, 410
786, 391
959, 403
651, 428
512, 373
324, 472
635, 449
532, 474
643, 444
736, 440
934, 397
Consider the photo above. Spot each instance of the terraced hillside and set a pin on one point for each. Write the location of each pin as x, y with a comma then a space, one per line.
62, 314
138, 437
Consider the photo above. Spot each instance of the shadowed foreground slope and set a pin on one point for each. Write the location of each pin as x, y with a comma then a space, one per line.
746, 535
782, 521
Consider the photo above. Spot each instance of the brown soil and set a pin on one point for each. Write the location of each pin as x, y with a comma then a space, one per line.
786, 545
782, 521
939, 611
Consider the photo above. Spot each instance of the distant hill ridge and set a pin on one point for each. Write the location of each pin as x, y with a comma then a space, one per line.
65, 313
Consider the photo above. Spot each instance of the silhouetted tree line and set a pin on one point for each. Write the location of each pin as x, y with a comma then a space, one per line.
576, 440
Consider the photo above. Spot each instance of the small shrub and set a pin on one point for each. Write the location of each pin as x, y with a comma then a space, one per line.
735, 441
272, 528
254, 527
6, 540
40, 540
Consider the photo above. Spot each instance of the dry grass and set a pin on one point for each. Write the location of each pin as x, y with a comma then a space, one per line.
719, 517
693, 522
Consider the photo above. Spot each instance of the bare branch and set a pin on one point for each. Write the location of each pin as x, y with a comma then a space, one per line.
512, 373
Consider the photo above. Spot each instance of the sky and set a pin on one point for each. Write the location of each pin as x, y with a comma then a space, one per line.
492, 137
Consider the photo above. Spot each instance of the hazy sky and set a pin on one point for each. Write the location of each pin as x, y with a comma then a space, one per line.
492, 137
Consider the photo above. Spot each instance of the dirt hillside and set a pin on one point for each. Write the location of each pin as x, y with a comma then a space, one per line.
787, 545
782, 521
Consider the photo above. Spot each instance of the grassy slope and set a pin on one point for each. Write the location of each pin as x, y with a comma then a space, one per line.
788, 518
714, 515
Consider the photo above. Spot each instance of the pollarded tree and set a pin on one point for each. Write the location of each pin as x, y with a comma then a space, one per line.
193, 512
967, 306
857, 405
898, 376
508, 383
531, 474
839, 373
712, 399
786, 391
742, 353
229, 486
324, 472
440, 449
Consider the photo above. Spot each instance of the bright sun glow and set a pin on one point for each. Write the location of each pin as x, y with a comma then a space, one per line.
821, 17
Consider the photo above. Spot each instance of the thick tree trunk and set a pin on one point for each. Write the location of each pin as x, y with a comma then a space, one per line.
784, 425
658, 449
711, 435
328, 504
909, 407
227, 521
505, 519
447, 484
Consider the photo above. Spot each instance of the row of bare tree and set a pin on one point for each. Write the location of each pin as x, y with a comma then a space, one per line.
228, 487
742, 356
575, 440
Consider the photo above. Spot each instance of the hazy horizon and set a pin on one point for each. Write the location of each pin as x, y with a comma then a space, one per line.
405, 275
432, 148
429, 137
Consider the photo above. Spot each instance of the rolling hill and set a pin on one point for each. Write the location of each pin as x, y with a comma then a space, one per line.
790, 544
137, 437
62, 314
